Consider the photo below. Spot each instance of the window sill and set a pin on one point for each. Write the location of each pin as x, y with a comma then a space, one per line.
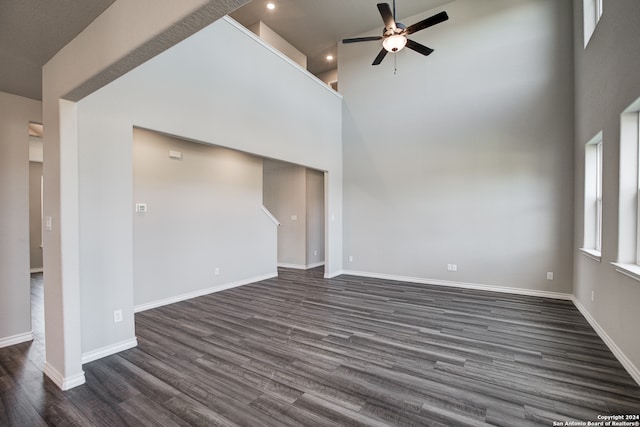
592, 253
630, 270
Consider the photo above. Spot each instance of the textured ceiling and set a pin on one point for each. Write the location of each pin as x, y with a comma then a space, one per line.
32, 31
316, 26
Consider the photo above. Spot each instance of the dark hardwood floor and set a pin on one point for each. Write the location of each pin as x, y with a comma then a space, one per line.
301, 350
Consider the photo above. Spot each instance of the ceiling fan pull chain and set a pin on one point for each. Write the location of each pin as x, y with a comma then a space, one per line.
395, 64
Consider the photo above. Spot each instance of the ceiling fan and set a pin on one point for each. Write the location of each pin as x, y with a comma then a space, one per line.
394, 36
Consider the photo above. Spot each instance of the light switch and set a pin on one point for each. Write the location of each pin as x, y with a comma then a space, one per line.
175, 154
294, 217
48, 223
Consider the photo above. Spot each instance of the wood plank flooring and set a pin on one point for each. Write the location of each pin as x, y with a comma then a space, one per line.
300, 350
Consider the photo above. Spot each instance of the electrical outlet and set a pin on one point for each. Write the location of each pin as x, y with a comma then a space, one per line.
117, 316
593, 295
315, 253
216, 271
141, 208
549, 275
350, 258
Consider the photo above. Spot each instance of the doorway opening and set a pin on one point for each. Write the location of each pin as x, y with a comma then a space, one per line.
295, 195
36, 193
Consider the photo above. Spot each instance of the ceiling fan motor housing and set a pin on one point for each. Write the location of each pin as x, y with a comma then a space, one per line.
399, 30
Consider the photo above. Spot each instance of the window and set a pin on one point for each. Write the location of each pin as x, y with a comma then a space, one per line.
592, 12
637, 183
598, 10
628, 259
593, 198
598, 244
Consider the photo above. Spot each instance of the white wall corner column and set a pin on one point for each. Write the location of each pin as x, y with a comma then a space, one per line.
62, 303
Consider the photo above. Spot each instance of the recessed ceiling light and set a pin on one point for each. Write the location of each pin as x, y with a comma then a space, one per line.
329, 57
271, 5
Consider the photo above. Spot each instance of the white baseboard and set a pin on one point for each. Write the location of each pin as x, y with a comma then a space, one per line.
300, 266
16, 339
294, 266
36, 270
474, 286
334, 274
63, 383
200, 293
108, 350
315, 265
617, 352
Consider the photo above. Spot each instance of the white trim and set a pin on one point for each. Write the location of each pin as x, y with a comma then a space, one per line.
108, 350
630, 270
475, 286
270, 215
36, 270
300, 266
16, 339
276, 52
200, 293
334, 274
63, 383
293, 266
315, 265
591, 253
617, 352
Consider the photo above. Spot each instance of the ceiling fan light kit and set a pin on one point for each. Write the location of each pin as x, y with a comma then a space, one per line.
394, 43
394, 36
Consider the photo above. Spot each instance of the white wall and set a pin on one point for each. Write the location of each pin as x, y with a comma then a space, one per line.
204, 212
36, 150
329, 76
275, 40
607, 82
315, 220
464, 157
295, 196
35, 216
15, 309
227, 102
285, 197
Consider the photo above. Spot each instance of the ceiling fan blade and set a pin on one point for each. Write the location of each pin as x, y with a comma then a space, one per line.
420, 48
362, 39
426, 23
387, 16
380, 57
